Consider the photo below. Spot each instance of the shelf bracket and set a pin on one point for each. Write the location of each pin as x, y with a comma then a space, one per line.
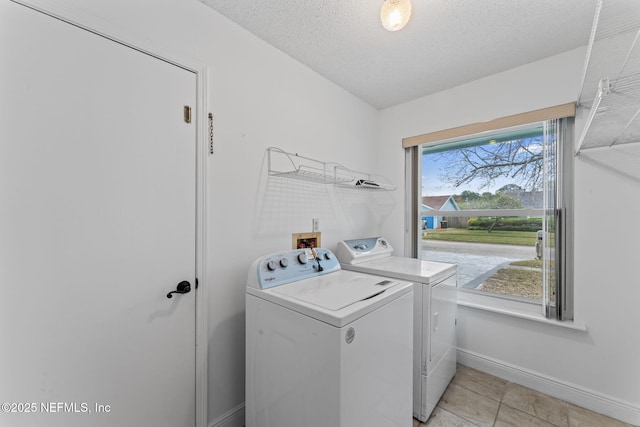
604, 88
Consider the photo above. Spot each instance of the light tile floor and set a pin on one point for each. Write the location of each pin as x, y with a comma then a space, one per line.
476, 399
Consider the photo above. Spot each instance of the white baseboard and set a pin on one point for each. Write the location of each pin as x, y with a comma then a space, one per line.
233, 418
577, 395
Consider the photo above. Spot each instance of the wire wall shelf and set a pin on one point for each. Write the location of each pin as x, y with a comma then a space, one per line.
293, 166
610, 88
365, 181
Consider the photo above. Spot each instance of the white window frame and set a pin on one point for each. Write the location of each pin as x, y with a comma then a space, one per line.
562, 309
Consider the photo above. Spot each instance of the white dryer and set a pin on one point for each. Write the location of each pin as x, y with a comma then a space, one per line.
435, 306
326, 347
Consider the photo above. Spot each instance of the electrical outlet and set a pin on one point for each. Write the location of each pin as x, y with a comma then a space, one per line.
315, 225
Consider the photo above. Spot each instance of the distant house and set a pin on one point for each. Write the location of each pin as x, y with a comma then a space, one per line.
436, 203
529, 199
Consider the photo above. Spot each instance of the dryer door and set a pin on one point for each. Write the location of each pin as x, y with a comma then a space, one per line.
442, 318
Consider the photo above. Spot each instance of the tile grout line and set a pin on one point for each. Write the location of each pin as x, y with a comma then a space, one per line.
495, 419
504, 391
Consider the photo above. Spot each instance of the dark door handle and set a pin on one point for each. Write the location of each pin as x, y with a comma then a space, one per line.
182, 288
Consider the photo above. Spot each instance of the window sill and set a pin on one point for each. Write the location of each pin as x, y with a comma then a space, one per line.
519, 309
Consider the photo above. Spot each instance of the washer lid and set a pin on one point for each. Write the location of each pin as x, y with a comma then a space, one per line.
329, 294
337, 298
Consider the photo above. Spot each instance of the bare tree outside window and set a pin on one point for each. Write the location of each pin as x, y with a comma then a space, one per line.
520, 161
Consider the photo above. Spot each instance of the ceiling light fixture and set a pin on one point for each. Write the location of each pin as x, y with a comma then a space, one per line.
395, 14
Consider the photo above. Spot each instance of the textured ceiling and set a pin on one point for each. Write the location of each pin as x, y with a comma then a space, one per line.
446, 43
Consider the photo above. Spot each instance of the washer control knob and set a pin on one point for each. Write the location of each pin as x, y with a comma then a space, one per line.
271, 265
327, 255
284, 262
302, 258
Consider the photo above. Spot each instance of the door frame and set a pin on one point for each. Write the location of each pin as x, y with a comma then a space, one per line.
140, 43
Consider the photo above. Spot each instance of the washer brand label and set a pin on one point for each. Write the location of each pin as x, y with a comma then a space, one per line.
350, 336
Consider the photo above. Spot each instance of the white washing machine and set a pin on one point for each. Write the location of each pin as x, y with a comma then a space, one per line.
435, 306
326, 347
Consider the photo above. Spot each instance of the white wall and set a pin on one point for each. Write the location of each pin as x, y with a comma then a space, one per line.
260, 98
600, 367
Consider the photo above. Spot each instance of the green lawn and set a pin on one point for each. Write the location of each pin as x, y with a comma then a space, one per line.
521, 238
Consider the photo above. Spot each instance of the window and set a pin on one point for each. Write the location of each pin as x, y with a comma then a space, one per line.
498, 204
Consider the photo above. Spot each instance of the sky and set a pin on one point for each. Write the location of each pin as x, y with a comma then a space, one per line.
432, 185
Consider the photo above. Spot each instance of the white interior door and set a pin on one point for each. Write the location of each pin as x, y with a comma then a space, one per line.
97, 225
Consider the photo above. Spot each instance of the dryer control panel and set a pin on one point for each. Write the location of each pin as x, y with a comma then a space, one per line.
290, 266
361, 250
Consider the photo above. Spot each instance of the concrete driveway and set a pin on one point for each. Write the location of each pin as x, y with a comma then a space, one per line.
476, 261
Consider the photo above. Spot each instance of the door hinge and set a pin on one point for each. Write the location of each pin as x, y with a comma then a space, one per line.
187, 114
196, 283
